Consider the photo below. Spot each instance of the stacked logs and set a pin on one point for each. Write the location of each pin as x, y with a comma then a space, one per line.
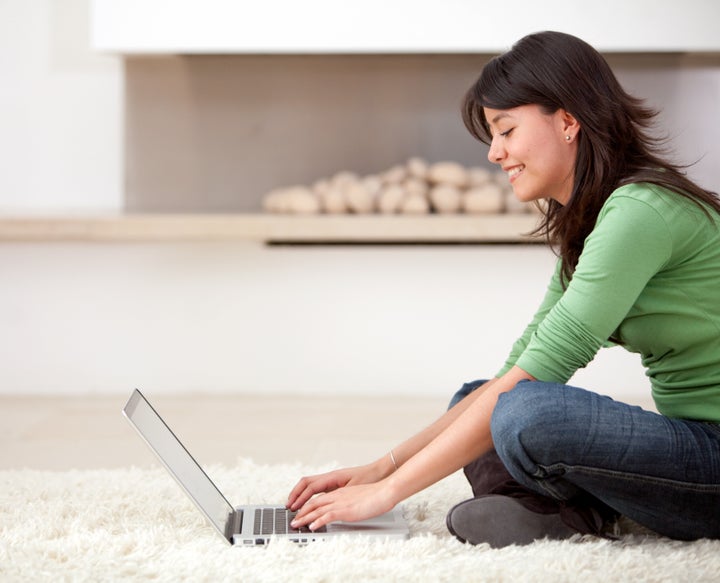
414, 188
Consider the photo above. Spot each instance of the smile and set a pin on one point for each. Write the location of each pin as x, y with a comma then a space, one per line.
514, 171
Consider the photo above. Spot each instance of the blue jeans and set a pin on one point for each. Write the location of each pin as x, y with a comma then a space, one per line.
564, 443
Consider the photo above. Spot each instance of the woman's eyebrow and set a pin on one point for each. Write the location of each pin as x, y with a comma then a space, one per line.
499, 116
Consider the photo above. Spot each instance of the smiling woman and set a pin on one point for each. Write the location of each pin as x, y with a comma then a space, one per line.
639, 265
561, 74
536, 149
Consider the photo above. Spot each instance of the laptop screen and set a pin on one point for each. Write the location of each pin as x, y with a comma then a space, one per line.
179, 462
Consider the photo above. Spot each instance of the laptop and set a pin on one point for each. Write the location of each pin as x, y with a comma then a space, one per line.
244, 525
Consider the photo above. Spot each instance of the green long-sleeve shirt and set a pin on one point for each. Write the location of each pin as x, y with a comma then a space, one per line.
649, 277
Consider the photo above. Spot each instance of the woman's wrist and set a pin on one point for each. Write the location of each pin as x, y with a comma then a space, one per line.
393, 460
386, 465
394, 487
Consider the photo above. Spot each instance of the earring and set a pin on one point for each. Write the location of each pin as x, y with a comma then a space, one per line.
568, 138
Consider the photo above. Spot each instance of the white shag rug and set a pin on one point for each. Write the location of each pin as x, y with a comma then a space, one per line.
136, 524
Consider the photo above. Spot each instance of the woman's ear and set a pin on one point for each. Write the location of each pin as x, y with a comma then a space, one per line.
570, 125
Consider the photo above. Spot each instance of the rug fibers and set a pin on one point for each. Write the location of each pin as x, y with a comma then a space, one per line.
136, 524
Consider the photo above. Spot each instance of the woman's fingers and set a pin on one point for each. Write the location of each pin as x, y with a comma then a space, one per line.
316, 513
310, 510
349, 504
300, 493
307, 487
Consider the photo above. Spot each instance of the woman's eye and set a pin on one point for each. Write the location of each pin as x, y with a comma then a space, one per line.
506, 133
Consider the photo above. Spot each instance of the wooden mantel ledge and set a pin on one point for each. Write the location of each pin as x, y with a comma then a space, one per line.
510, 228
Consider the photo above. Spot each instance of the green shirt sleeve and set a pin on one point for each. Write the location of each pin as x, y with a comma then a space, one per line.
552, 295
629, 244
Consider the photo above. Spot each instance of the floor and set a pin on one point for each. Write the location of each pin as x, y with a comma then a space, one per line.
61, 433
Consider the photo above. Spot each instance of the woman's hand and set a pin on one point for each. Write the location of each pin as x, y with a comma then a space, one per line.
461, 435
309, 486
350, 504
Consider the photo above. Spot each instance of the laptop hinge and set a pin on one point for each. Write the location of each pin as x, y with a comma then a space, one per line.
233, 524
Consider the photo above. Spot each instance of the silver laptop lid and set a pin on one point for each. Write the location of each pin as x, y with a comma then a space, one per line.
188, 473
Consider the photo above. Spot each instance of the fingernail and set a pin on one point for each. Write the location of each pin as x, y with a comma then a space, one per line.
294, 524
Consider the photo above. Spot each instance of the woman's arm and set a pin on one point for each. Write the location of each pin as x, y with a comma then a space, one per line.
465, 437
308, 486
412, 446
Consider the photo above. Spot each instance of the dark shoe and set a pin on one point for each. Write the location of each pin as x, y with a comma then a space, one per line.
583, 513
501, 521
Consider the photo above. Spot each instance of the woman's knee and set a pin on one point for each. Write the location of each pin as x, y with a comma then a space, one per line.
526, 415
464, 391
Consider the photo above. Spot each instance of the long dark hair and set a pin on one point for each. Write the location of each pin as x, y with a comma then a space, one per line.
559, 71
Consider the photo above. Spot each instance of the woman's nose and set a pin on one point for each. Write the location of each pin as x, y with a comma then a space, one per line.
496, 152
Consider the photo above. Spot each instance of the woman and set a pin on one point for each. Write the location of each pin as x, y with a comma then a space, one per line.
639, 265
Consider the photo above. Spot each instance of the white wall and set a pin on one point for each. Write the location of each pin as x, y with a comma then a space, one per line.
61, 130
688, 99
240, 317
421, 26
60, 111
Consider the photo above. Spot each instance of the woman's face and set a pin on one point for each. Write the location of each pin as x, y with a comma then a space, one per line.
535, 151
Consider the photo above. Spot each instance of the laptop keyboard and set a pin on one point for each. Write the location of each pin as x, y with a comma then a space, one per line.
277, 521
